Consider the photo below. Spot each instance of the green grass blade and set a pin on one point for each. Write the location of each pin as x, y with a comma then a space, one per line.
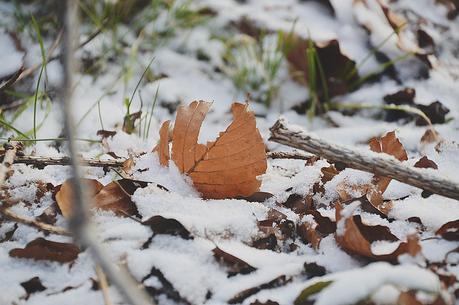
11, 127
151, 112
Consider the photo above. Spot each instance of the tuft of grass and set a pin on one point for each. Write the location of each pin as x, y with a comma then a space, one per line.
315, 76
9, 126
254, 66
373, 51
147, 127
129, 119
382, 67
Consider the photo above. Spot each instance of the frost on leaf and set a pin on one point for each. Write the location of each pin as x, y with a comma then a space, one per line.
356, 237
225, 168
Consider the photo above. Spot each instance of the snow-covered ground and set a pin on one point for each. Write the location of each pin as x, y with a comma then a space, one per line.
192, 64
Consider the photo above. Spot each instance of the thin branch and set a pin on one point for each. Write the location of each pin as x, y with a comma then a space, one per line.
282, 132
10, 153
44, 161
40, 161
79, 223
288, 155
11, 149
103, 285
8, 213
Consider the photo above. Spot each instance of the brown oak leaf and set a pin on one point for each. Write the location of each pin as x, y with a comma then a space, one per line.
163, 146
390, 145
64, 194
335, 64
115, 196
227, 167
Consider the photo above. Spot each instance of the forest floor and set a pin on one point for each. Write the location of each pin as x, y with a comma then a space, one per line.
347, 71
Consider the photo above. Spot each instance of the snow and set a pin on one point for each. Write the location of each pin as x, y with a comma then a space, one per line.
371, 278
232, 224
12, 58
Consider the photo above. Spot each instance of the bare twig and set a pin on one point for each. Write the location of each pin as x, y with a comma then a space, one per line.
8, 213
44, 161
40, 161
282, 132
11, 149
288, 155
10, 153
79, 223
103, 285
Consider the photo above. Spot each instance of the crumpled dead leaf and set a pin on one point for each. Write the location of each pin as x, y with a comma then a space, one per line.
425, 162
390, 145
227, 167
115, 196
168, 226
279, 281
33, 285
234, 264
356, 237
42, 249
313, 232
313, 269
335, 65
64, 194
449, 231
163, 146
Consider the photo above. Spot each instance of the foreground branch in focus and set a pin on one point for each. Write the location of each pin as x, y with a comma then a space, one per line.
283, 133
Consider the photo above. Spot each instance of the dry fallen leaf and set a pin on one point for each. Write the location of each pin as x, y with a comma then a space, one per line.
308, 233
450, 230
168, 226
279, 281
357, 237
388, 144
163, 147
235, 265
336, 65
64, 194
225, 168
425, 162
42, 249
33, 285
115, 196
